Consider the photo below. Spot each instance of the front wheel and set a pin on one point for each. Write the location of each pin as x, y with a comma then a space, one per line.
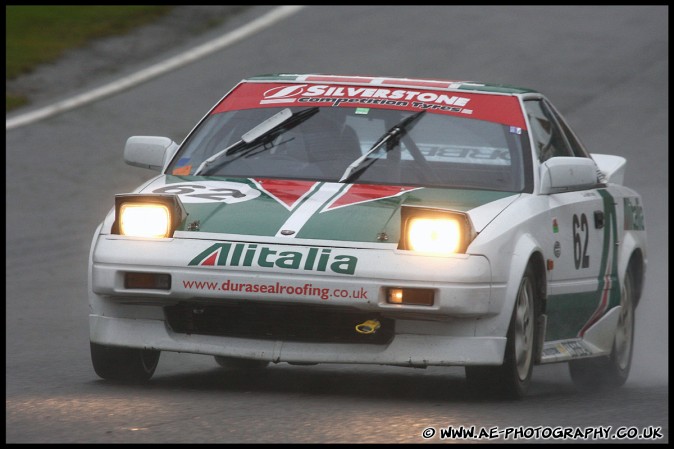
124, 364
610, 372
511, 379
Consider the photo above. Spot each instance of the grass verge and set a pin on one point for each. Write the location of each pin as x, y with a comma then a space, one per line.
40, 34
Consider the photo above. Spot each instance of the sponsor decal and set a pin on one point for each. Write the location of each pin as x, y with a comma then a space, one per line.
361, 95
462, 154
573, 348
210, 191
515, 130
182, 171
555, 226
567, 348
254, 255
634, 215
183, 167
495, 108
277, 288
557, 249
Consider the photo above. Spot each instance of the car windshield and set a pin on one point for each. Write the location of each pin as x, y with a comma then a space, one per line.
357, 144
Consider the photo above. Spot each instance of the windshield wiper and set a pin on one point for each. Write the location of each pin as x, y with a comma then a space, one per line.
390, 138
261, 134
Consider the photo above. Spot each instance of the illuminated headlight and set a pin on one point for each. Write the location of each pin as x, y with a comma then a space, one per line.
435, 231
144, 220
148, 216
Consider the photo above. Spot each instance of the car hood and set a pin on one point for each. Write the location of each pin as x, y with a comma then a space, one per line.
314, 210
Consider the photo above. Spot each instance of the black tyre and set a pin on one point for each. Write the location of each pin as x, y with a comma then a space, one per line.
124, 364
240, 364
603, 373
511, 379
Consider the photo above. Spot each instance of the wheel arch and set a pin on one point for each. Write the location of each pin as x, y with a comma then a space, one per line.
525, 252
637, 264
537, 262
534, 258
530, 253
633, 256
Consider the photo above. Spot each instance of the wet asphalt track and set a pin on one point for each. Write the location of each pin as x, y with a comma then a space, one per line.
605, 68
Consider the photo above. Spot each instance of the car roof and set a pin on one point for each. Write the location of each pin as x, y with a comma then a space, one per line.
392, 82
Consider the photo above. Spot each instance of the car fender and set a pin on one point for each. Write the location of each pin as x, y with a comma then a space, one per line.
631, 232
523, 250
631, 242
91, 259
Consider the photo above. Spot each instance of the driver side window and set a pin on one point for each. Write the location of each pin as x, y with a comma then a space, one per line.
548, 138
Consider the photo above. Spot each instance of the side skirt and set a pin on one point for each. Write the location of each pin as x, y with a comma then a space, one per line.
597, 341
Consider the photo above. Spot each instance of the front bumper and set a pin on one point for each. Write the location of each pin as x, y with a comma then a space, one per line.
403, 350
441, 334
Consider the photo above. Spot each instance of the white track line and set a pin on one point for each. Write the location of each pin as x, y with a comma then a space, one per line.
175, 62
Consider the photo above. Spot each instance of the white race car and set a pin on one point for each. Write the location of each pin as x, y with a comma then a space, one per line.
345, 219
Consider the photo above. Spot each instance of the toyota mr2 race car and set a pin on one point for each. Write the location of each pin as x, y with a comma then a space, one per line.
359, 220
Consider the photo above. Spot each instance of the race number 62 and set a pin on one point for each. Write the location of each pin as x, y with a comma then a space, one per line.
581, 234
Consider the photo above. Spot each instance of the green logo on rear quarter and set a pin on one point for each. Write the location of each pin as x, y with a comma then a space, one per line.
634, 215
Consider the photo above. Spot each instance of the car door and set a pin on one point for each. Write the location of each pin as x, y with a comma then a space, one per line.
582, 279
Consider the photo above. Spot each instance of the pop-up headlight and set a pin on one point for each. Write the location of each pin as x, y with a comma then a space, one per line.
435, 231
149, 216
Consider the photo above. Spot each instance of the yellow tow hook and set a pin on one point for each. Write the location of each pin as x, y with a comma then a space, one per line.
368, 327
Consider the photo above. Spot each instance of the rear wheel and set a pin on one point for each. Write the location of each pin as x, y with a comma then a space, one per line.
511, 379
240, 364
124, 364
603, 373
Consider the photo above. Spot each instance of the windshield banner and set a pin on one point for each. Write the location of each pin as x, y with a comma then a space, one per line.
502, 109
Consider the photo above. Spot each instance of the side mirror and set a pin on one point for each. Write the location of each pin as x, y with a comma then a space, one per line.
148, 151
565, 174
